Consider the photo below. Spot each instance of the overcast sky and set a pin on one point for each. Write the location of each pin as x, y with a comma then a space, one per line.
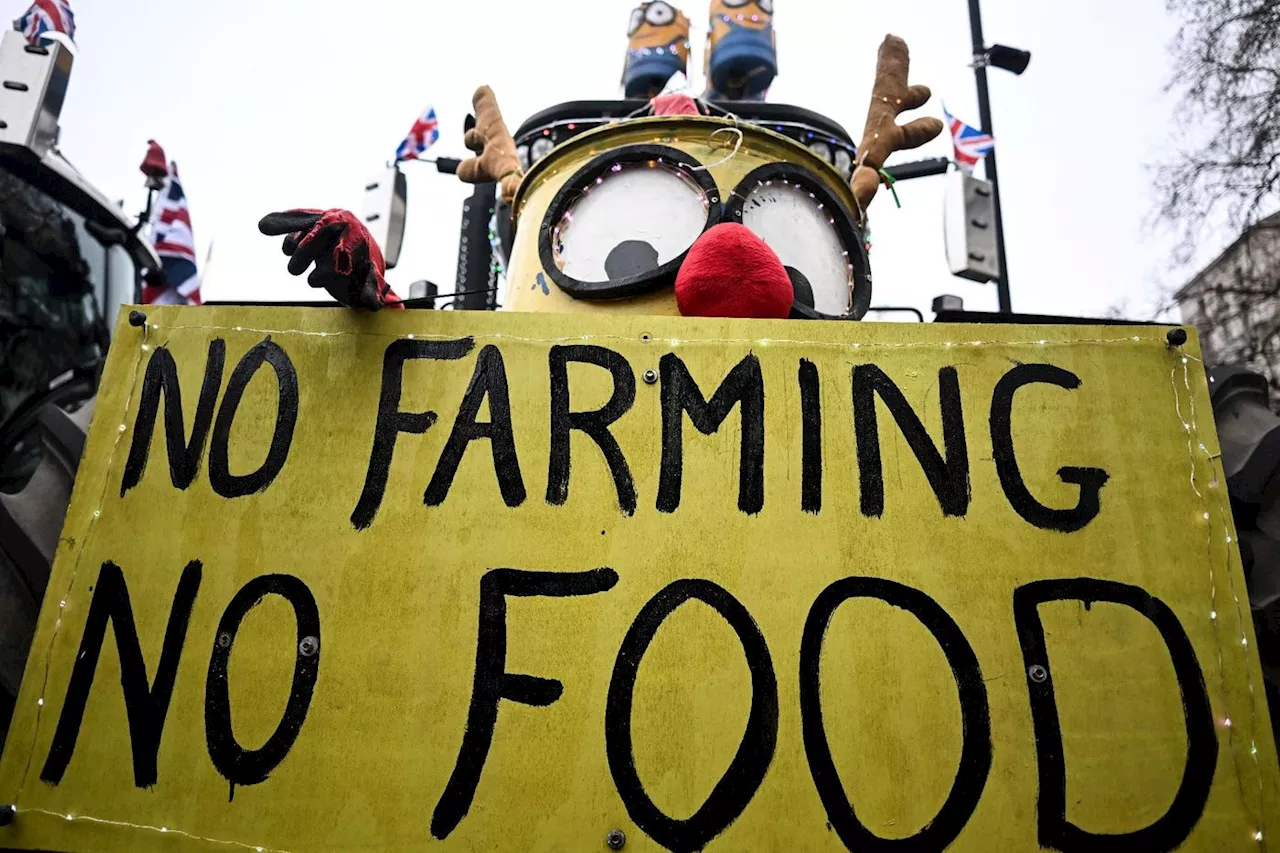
295, 103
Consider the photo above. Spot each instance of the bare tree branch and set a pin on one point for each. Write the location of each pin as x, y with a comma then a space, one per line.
1227, 73
1227, 61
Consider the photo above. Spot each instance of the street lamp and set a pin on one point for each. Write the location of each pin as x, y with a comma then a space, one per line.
1009, 59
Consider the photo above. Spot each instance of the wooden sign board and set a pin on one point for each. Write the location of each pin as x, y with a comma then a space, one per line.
499, 582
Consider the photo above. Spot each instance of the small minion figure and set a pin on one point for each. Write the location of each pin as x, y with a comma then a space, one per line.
657, 48
742, 55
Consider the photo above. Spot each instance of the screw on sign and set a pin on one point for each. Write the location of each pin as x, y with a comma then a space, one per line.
616, 839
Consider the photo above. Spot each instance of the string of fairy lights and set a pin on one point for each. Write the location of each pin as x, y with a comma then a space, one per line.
834, 150
1194, 442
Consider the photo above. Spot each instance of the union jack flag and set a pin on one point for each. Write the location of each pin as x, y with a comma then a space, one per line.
971, 144
47, 16
423, 134
174, 242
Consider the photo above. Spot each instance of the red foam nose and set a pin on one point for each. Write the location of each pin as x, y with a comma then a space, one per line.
730, 272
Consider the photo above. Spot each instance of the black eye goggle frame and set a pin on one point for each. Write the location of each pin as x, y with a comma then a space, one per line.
719, 210
633, 285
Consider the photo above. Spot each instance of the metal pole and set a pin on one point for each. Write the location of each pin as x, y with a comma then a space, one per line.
984, 115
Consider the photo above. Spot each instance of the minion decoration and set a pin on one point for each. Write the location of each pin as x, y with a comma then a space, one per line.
688, 215
676, 212
657, 48
742, 50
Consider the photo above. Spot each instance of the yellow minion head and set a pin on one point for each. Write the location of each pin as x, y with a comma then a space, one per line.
687, 215
727, 15
742, 50
658, 27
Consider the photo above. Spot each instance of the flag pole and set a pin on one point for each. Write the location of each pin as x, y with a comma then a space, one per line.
984, 115
144, 218
208, 257
447, 165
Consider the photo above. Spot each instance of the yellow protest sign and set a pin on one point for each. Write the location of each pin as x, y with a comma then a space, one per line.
333, 581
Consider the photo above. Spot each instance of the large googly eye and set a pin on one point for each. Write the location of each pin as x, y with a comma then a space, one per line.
624, 223
811, 232
637, 18
766, 6
736, 4
630, 221
659, 14
787, 217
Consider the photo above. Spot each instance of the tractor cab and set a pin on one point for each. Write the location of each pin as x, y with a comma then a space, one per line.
69, 258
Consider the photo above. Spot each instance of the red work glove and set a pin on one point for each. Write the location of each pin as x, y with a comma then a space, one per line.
348, 262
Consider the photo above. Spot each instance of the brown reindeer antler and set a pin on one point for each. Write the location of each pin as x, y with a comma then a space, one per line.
890, 97
495, 160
